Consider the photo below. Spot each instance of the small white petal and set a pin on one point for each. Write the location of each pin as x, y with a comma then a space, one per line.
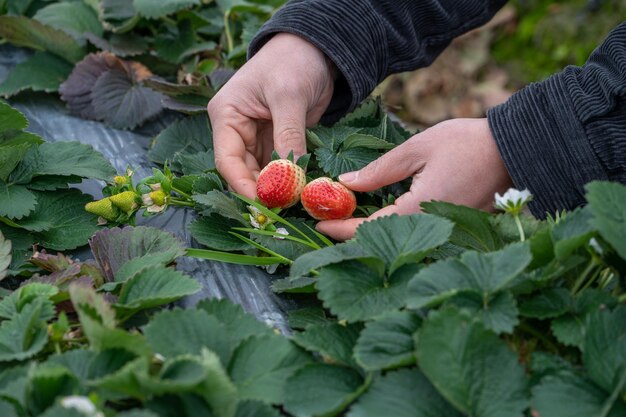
593, 242
146, 200
255, 211
281, 231
159, 358
254, 223
82, 404
155, 187
155, 209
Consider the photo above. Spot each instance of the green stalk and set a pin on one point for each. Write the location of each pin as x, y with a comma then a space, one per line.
233, 258
9, 222
533, 332
229, 36
276, 235
262, 248
182, 193
522, 236
177, 202
582, 277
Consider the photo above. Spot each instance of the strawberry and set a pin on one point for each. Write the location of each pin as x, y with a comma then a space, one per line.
280, 184
125, 201
325, 199
103, 208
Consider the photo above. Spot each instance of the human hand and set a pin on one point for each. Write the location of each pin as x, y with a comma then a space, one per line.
266, 105
455, 161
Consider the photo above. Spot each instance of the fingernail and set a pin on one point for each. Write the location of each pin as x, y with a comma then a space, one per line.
349, 176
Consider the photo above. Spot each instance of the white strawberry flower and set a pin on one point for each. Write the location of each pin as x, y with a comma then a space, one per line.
513, 201
146, 200
81, 404
281, 231
258, 220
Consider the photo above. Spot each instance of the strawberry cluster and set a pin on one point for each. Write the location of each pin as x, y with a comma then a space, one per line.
282, 184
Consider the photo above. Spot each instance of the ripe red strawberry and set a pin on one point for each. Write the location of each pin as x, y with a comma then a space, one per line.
325, 199
280, 184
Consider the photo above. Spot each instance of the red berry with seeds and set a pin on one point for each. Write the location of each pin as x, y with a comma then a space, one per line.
280, 184
325, 199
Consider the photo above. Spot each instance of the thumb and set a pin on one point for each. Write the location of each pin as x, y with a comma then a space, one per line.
396, 165
289, 130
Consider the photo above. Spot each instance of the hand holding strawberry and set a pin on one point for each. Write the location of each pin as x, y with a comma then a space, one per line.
325, 199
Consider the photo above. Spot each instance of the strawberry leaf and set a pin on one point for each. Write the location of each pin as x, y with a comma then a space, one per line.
74, 19
332, 340
186, 136
5, 256
121, 45
40, 72
154, 9
117, 15
16, 201
22, 31
403, 393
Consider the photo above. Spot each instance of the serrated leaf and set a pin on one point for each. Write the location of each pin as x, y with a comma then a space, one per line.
154, 9
207, 182
40, 72
399, 240
403, 393
7, 409
22, 31
122, 103
46, 384
239, 324
255, 409
180, 332
5, 256
217, 389
190, 135
10, 156
121, 45
126, 380
74, 19
261, 365
326, 256
497, 312
61, 219
197, 163
89, 304
155, 286
549, 303
118, 15
604, 347
53, 182
359, 140
355, 292
63, 158
335, 163
387, 342
322, 390
213, 231
219, 203
472, 229
367, 109
11, 119
60, 411
25, 334
607, 201
305, 317
486, 273
16, 201
470, 366
571, 395
573, 232
120, 252
333, 341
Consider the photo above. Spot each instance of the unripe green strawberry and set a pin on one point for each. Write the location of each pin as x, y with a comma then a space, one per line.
126, 201
280, 184
103, 208
325, 199
158, 197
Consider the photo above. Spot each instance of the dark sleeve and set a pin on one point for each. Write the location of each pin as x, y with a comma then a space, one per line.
557, 135
371, 39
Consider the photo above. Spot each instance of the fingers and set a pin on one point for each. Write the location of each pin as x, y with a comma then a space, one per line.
289, 121
396, 165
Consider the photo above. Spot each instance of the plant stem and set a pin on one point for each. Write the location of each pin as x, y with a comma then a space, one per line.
177, 202
522, 236
229, 36
182, 193
533, 332
583, 276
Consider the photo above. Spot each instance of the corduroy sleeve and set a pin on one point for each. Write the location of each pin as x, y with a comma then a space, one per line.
370, 39
557, 135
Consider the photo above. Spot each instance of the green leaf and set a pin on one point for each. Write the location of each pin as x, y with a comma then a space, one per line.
126, 380
470, 366
335, 163
22, 31
5, 256
40, 72
497, 312
218, 202
155, 286
549, 303
63, 158
181, 332
234, 258
484, 272
261, 366
62, 219
326, 256
608, 205
218, 390
74, 19
89, 304
333, 341
213, 231
322, 390
354, 292
570, 395
188, 136
16, 201
47, 383
7, 410
60, 411
154, 9
255, 409
239, 325
604, 347
196, 163
11, 119
387, 342
359, 140
573, 232
10, 156
506, 228
25, 334
472, 229
399, 240
305, 317
53, 182
118, 15
570, 328
403, 393
207, 182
